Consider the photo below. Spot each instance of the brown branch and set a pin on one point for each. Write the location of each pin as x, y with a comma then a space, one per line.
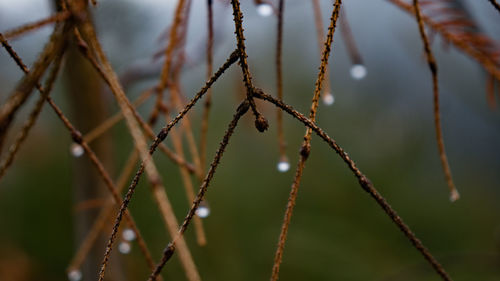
208, 99
78, 139
454, 195
169, 250
25, 87
495, 4
58, 17
306, 145
279, 81
160, 137
103, 216
364, 182
459, 41
33, 117
318, 23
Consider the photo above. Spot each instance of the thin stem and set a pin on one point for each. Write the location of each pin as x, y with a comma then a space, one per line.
364, 182
306, 145
33, 117
279, 79
318, 22
169, 250
149, 131
454, 195
349, 41
208, 99
25, 87
58, 17
458, 41
160, 137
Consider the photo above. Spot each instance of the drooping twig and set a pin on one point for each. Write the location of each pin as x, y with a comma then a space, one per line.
160, 137
78, 139
463, 42
208, 98
103, 215
23, 90
33, 117
279, 81
320, 36
454, 195
108, 123
306, 145
364, 182
169, 250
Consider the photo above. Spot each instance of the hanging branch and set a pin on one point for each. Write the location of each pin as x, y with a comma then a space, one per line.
103, 216
470, 44
160, 137
454, 195
208, 99
328, 97
306, 145
283, 164
77, 138
25, 87
33, 117
364, 182
169, 250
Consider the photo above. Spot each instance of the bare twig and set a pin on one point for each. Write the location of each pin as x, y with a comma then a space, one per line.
454, 195
169, 250
306, 145
364, 182
60, 16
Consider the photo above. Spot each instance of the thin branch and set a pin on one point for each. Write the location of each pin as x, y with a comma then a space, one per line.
58, 17
461, 42
364, 182
306, 145
208, 99
160, 137
279, 80
454, 195
33, 117
169, 250
26, 85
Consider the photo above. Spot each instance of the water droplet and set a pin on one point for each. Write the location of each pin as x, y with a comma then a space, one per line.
76, 150
75, 275
203, 211
283, 165
124, 247
358, 71
264, 9
328, 98
128, 234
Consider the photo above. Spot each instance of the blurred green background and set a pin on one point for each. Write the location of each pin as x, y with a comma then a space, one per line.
384, 122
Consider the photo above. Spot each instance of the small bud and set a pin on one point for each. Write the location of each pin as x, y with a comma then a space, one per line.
305, 150
261, 123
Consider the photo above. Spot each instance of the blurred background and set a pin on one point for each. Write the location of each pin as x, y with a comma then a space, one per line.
384, 121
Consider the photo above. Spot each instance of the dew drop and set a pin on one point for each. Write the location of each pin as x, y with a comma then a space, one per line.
128, 234
283, 165
124, 247
358, 71
264, 9
203, 211
75, 275
328, 99
76, 150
